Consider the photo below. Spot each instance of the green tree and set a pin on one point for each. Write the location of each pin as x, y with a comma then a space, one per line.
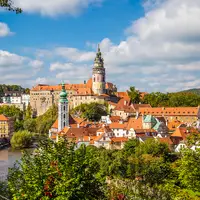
30, 125
8, 4
21, 139
57, 171
28, 113
130, 146
134, 95
92, 111
189, 170
45, 121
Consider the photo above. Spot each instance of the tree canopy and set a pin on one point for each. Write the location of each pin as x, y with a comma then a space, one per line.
179, 99
92, 111
134, 95
21, 139
8, 4
139, 171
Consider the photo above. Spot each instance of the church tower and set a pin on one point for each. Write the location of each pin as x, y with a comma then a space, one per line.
98, 76
63, 114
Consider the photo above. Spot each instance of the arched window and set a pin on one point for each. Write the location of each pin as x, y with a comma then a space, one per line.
64, 124
64, 116
64, 108
94, 79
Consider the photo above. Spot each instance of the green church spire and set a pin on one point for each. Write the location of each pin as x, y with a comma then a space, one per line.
63, 95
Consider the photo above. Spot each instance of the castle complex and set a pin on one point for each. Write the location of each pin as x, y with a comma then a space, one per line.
96, 89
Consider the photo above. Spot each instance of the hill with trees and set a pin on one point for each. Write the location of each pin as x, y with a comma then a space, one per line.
194, 91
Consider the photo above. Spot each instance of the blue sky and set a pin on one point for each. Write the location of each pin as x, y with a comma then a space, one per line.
151, 44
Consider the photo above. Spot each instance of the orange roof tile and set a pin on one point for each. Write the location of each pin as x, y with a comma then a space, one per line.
3, 118
166, 140
124, 104
173, 124
119, 139
117, 125
55, 125
134, 123
170, 111
115, 118
183, 132
122, 94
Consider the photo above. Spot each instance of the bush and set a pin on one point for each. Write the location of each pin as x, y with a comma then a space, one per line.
22, 139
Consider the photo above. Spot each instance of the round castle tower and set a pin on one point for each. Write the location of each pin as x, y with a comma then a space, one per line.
98, 75
63, 114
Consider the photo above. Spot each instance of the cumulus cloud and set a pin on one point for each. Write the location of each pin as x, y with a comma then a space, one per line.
4, 30
161, 51
74, 55
53, 8
17, 69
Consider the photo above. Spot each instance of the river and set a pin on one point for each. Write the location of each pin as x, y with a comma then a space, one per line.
7, 159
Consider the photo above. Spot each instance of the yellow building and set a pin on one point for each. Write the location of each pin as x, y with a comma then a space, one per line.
6, 127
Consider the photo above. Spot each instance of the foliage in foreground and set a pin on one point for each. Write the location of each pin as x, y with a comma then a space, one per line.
146, 171
8, 4
58, 171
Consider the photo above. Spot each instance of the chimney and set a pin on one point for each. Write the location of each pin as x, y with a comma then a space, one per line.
78, 125
125, 102
121, 122
84, 81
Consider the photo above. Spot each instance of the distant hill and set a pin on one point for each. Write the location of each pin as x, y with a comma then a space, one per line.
194, 91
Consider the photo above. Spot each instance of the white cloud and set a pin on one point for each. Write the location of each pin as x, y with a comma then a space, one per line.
162, 50
4, 30
55, 7
75, 55
15, 68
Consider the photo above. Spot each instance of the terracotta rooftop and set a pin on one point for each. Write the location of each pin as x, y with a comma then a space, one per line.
183, 132
170, 111
115, 118
134, 123
117, 125
124, 104
119, 139
3, 118
88, 85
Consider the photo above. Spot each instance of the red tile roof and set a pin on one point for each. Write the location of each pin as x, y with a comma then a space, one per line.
170, 111
134, 123
3, 118
124, 104
117, 125
119, 139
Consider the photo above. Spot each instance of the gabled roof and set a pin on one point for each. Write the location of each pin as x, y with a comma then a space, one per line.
104, 129
117, 125
124, 104
115, 118
183, 132
119, 139
170, 111
55, 125
3, 118
134, 123
137, 106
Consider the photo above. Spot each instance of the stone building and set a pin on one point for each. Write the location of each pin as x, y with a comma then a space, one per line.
188, 115
42, 96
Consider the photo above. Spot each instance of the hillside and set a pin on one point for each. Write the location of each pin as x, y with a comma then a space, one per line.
194, 91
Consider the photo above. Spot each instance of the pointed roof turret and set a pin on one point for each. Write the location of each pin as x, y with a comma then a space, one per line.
63, 95
98, 62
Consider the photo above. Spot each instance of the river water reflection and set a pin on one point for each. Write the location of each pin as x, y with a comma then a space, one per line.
7, 159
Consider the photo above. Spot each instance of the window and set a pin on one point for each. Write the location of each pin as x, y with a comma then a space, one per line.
64, 116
